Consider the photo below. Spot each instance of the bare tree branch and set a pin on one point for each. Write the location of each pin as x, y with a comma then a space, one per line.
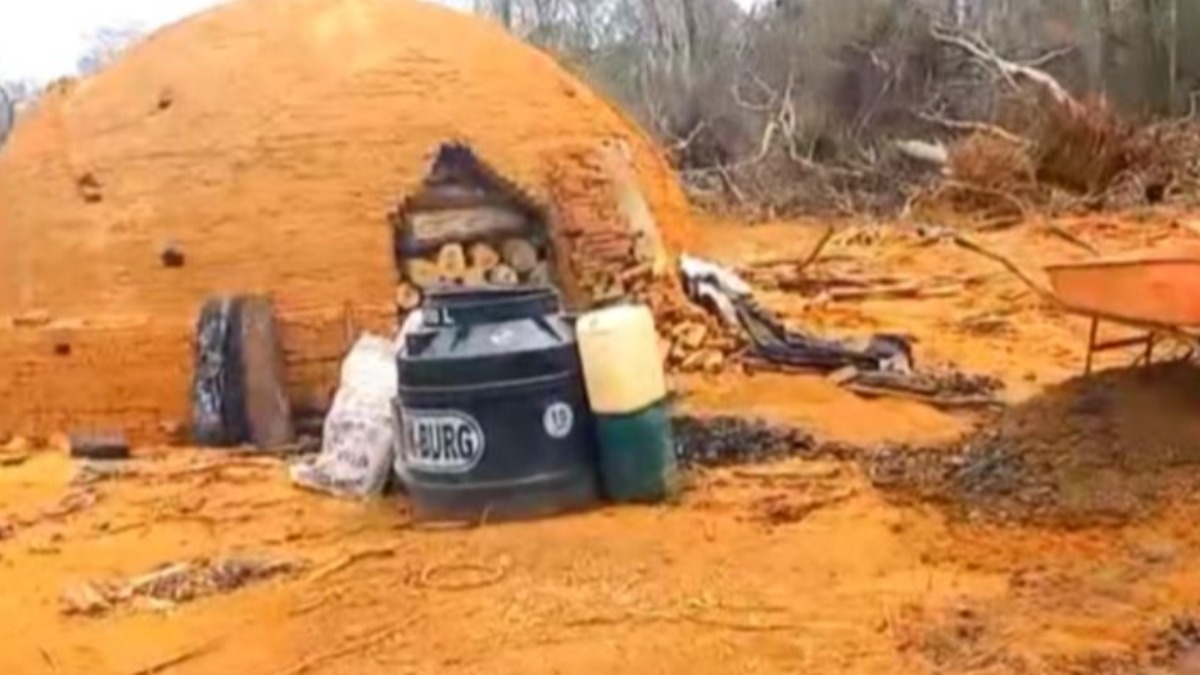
1013, 72
980, 127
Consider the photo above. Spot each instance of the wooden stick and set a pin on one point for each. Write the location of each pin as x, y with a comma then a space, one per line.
974, 247
817, 249
1069, 237
351, 559
49, 659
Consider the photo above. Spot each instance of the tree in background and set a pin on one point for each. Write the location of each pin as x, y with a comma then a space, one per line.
753, 99
8, 116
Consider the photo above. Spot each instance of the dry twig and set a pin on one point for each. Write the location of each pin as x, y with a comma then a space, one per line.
1068, 236
491, 574
1008, 263
349, 560
817, 249
180, 659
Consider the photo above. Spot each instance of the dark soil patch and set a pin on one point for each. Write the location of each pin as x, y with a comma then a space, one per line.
1098, 449
712, 441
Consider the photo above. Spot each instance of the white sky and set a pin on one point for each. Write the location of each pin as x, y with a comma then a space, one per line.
43, 39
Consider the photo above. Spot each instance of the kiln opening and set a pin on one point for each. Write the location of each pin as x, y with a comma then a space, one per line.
468, 226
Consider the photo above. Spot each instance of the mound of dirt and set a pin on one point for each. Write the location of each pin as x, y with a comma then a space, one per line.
1093, 449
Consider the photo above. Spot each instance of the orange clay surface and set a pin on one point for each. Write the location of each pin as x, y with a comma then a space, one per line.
796, 567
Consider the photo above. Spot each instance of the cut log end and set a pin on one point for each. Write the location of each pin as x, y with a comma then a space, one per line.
540, 275
520, 255
452, 261
474, 276
483, 256
503, 275
422, 273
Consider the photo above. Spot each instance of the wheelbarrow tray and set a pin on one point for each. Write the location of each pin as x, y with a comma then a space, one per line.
1159, 286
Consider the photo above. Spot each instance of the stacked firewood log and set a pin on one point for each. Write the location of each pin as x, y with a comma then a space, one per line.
692, 340
495, 261
469, 226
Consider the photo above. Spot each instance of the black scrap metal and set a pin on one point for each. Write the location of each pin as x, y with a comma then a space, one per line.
774, 342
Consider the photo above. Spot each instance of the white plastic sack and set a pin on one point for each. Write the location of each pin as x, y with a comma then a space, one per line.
360, 431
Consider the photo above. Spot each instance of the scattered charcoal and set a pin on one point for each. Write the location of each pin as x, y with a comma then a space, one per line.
186, 581
1095, 450
955, 382
176, 583
988, 469
233, 573
944, 382
723, 440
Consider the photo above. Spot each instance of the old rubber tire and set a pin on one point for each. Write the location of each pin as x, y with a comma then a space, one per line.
218, 418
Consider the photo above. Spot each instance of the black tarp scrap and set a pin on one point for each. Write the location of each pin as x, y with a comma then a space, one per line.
730, 297
218, 417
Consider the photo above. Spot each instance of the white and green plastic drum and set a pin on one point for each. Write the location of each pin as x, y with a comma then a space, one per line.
627, 391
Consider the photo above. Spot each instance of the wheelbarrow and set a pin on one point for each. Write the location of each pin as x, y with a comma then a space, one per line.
1156, 291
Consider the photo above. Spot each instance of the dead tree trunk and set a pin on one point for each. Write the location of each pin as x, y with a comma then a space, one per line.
690, 36
1104, 74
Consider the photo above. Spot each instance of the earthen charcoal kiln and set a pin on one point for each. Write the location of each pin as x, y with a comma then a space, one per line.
201, 163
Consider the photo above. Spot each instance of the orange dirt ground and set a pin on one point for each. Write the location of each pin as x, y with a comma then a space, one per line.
797, 567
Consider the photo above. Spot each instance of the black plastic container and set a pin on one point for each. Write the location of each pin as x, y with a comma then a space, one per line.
494, 417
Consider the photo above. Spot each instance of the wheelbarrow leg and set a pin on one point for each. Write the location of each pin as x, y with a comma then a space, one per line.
1087, 367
